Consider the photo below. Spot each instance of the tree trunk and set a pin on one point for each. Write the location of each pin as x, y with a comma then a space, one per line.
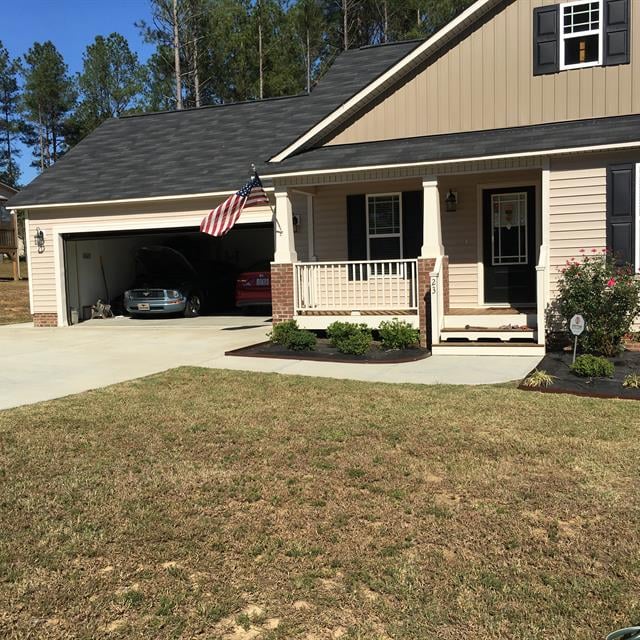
196, 74
308, 62
345, 23
176, 55
41, 138
386, 22
260, 58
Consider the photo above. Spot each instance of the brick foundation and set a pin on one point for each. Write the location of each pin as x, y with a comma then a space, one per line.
425, 267
45, 319
281, 292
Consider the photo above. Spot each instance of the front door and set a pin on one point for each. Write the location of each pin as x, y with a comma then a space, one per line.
509, 234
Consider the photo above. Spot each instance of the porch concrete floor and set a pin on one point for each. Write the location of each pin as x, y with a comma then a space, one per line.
43, 364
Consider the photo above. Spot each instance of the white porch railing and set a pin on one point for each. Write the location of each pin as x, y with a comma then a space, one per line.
368, 285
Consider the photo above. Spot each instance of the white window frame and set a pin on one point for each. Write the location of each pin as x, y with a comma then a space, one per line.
592, 32
526, 231
398, 235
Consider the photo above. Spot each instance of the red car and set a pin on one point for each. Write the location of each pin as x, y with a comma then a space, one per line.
253, 287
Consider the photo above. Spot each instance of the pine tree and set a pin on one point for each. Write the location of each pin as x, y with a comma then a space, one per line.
10, 120
48, 97
109, 85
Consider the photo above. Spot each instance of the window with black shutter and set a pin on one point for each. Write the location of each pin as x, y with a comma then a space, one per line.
580, 34
621, 213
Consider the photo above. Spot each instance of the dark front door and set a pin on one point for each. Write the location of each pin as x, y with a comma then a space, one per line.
509, 234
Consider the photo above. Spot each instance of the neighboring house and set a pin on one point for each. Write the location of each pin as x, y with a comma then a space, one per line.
10, 243
445, 181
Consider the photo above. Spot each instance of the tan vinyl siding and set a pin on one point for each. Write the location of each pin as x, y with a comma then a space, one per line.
459, 229
107, 217
486, 82
577, 211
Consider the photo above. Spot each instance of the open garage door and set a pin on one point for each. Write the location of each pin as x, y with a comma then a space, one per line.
102, 266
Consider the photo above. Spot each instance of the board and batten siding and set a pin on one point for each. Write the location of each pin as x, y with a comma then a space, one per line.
486, 82
118, 217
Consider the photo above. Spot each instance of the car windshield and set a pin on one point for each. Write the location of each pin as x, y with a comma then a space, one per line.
162, 266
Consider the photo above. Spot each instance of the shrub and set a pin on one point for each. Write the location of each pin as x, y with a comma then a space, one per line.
281, 332
607, 295
301, 340
632, 381
347, 337
290, 336
398, 334
590, 366
539, 378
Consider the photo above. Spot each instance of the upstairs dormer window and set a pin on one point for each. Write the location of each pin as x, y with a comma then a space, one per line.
580, 34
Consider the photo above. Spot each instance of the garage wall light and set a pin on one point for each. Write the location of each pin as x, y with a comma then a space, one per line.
39, 239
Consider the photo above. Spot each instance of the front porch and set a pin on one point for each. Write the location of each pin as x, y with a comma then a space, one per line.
472, 278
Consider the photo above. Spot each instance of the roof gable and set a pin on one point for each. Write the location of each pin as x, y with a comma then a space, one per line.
380, 84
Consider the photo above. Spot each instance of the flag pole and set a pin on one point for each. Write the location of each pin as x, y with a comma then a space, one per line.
273, 211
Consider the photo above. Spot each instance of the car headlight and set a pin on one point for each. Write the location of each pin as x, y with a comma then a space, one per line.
172, 293
127, 295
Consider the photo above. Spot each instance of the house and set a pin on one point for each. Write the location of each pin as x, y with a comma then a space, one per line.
445, 181
10, 243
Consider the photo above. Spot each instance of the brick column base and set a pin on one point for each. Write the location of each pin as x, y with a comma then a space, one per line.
425, 267
281, 292
45, 319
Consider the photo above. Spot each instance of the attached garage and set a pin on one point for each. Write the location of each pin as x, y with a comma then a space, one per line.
105, 264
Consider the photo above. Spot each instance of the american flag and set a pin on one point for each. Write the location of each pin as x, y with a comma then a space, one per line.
225, 215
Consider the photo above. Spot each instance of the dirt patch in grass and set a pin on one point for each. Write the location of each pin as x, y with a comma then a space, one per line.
214, 504
14, 296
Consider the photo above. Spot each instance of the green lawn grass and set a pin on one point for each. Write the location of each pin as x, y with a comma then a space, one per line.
14, 296
213, 504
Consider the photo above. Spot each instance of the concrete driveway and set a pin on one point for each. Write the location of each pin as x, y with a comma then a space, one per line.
42, 364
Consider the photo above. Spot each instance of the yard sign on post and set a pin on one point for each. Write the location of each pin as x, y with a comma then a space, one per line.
576, 325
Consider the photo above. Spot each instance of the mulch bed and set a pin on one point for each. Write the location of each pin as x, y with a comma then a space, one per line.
324, 352
557, 364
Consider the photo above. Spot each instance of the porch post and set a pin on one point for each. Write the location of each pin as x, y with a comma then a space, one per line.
432, 229
430, 284
285, 250
282, 277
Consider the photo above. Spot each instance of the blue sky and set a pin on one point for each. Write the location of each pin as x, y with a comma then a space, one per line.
71, 25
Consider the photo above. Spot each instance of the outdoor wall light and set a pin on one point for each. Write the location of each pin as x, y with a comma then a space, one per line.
39, 238
451, 201
296, 223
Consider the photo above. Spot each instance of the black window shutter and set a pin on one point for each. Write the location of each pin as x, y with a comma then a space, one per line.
616, 32
546, 40
621, 212
357, 227
412, 223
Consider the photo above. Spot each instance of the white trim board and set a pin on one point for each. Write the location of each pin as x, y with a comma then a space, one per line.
430, 163
448, 30
88, 203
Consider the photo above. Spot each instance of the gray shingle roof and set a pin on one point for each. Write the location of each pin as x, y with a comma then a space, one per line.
473, 144
199, 150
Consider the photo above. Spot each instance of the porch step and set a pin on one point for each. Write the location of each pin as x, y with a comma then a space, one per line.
487, 349
487, 334
490, 318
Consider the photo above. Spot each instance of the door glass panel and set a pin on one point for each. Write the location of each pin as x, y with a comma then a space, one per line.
509, 229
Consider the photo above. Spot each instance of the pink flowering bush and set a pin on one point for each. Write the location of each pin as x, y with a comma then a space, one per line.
606, 295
